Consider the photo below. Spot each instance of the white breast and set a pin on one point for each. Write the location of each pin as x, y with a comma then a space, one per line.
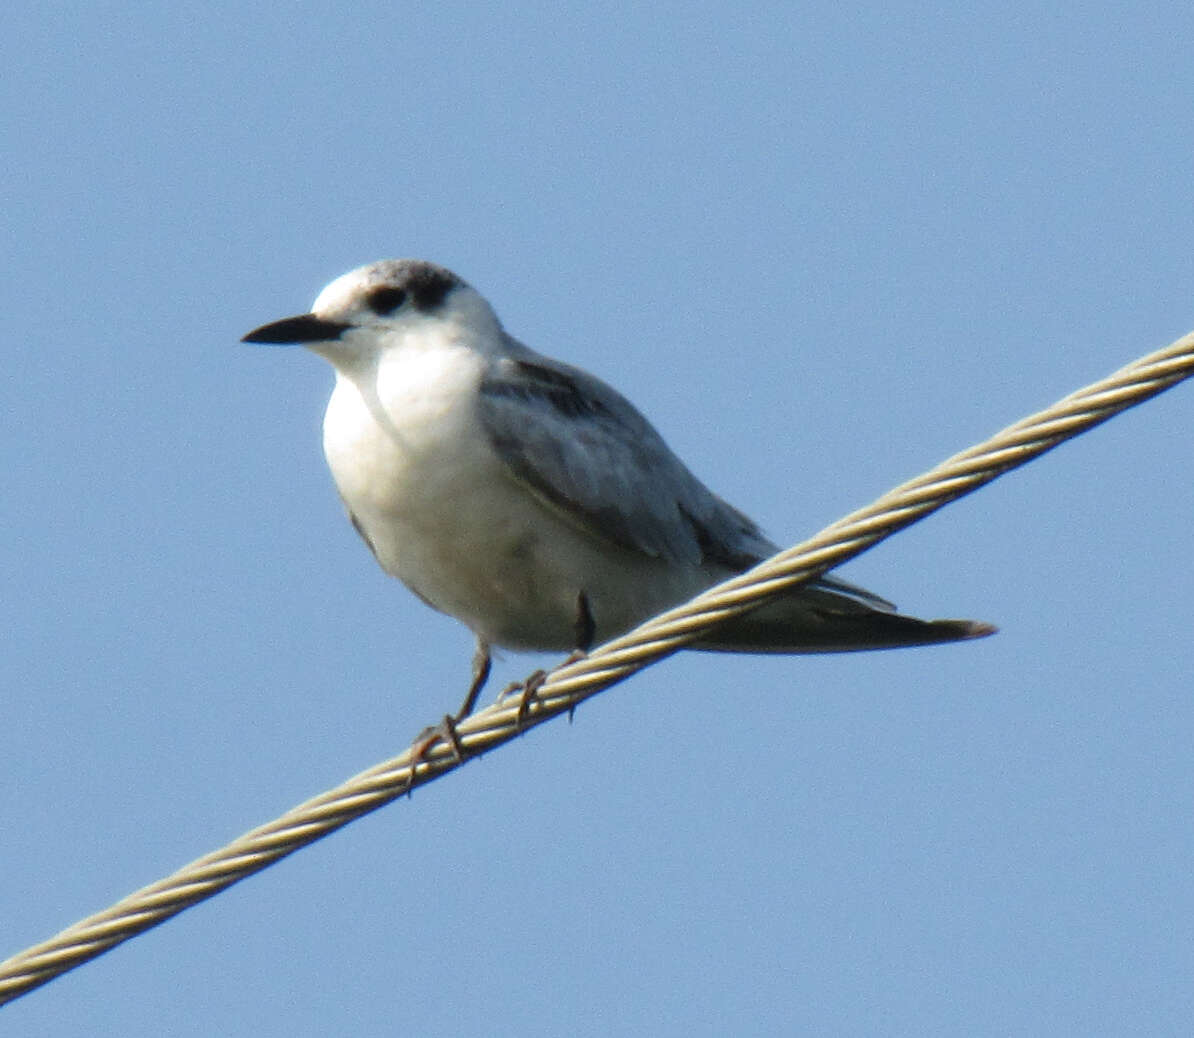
444, 514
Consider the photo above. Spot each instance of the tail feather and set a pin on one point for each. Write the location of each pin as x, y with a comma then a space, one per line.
833, 616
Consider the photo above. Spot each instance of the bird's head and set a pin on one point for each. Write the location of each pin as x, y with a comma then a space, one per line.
382, 305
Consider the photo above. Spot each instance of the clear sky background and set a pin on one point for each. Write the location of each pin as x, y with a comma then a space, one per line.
822, 249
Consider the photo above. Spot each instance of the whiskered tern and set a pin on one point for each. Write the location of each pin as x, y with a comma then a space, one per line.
529, 499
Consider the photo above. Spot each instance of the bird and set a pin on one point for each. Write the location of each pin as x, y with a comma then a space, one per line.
529, 499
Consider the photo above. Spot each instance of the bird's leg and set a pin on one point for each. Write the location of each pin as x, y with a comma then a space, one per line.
481, 663
584, 629
446, 729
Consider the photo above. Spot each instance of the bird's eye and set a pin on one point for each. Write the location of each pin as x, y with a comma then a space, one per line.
385, 300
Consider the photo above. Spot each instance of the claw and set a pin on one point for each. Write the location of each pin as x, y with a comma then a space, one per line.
444, 731
530, 694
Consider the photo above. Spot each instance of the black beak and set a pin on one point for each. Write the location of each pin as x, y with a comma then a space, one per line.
294, 330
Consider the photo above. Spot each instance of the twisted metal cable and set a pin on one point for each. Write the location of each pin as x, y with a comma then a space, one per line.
570, 684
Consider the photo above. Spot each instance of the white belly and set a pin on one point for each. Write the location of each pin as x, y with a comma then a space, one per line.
444, 515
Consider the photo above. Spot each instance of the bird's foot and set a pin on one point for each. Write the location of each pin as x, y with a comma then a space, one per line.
446, 732
529, 689
530, 695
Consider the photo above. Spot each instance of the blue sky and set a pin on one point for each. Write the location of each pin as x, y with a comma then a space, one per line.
822, 249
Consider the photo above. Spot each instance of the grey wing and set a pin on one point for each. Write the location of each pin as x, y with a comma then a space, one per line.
583, 449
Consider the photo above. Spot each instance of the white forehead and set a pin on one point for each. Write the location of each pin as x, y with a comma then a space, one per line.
345, 290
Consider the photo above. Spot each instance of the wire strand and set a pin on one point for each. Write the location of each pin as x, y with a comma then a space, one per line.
572, 683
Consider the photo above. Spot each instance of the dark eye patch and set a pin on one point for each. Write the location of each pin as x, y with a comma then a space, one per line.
385, 300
